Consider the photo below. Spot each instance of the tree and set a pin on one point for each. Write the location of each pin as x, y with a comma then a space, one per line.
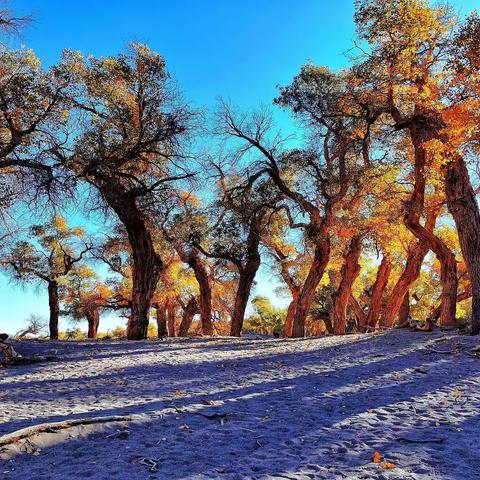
130, 148
86, 296
56, 251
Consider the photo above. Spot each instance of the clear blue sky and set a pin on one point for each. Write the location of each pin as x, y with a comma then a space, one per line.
235, 49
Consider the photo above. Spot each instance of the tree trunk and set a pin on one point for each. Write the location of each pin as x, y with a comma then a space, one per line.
247, 274
413, 212
307, 294
93, 319
205, 298
460, 298
54, 305
415, 257
147, 265
191, 309
404, 311
161, 320
349, 273
171, 318
244, 287
463, 207
287, 329
383, 274
359, 313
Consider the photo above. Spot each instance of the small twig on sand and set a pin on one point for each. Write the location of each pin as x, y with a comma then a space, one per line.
414, 440
57, 426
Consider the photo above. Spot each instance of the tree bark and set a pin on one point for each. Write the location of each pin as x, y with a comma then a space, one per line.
191, 309
359, 313
307, 293
147, 265
54, 305
287, 329
161, 320
404, 311
463, 207
383, 274
193, 260
413, 212
349, 273
93, 319
415, 257
247, 274
171, 318
460, 298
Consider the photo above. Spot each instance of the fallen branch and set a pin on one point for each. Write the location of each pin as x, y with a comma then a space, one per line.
57, 426
413, 440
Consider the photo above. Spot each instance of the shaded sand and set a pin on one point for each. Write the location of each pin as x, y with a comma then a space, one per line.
248, 409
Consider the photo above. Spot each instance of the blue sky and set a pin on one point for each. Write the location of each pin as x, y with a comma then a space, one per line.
234, 49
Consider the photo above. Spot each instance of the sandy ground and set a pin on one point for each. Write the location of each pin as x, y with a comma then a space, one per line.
248, 409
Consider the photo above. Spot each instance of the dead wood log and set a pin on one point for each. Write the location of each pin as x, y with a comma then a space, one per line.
53, 427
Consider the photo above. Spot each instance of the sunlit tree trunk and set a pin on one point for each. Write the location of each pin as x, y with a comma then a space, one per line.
349, 273
359, 313
415, 257
383, 274
191, 309
463, 207
307, 293
413, 212
54, 305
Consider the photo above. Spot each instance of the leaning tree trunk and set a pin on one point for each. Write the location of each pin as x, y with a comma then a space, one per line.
460, 298
463, 207
161, 320
383, 274
54, 305
404, 311
287, 328
415, 257
349, 273
191, 309
147, 265
413, 212
320, 259
359, 313
93, 319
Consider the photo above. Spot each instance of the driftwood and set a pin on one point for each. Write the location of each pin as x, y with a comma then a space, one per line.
18, 435
419, 440
9, 353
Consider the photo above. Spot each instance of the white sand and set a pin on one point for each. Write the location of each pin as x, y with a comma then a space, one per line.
297, 409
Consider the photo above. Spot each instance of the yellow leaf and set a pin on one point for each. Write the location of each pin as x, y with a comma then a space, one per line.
184, 426
457, 393
437, 423
388, 465
179, 393
377, 457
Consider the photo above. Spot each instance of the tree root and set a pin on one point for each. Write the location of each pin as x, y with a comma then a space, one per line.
18, 435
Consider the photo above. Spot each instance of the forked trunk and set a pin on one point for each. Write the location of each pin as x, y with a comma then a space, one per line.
191, 309
383, 274
463, 207
54, 305
349, 273
93, 319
